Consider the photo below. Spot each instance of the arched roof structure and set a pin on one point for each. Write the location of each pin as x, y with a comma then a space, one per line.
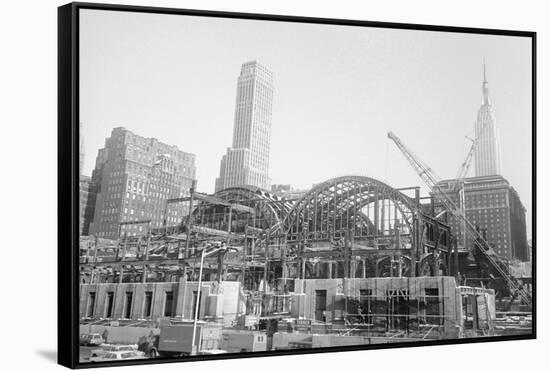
270, 210
361, 205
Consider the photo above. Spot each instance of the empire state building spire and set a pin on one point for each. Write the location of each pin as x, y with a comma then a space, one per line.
487, 155
485, 87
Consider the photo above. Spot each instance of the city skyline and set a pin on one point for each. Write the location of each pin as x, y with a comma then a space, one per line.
441, 97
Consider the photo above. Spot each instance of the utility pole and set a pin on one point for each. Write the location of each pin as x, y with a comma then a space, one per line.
266, 261
146, 254
245, 247
189, 214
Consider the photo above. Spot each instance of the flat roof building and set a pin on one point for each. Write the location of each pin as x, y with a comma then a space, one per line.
135, 177
493, 205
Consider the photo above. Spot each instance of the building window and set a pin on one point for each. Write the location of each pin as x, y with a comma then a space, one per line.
168, 303
127, 312
148, 304
91, 305
109, 305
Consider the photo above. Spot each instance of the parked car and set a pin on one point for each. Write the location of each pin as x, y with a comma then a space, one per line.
105, 348
119, 356
82, 339
156, 257
91, 339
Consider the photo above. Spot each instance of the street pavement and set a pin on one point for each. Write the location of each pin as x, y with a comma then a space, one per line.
85, 352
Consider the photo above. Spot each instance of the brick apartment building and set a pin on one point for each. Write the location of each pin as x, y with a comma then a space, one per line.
493, 205
135, 176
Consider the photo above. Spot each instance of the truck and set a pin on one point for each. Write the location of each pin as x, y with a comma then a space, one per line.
175, 340
235, 341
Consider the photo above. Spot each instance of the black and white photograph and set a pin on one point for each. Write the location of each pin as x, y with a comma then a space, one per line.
270, 186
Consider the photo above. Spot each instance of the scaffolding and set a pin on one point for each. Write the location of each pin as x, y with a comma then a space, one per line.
346, 227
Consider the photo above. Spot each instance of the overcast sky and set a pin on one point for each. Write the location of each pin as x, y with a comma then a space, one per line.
338, 91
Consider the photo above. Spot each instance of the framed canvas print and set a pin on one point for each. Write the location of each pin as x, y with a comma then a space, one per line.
240, 185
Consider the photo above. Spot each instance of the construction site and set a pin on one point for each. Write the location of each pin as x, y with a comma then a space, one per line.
353, 261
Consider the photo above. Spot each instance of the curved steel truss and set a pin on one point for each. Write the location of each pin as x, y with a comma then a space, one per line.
361, 206
269, 210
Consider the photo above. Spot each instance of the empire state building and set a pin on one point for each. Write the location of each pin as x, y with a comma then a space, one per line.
487, 153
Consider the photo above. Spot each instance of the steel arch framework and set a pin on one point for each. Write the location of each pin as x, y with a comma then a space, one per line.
361, 206
269, 210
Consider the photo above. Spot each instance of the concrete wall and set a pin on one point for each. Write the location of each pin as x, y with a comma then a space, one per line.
225, 302
233, 304
219, 302
281, 339
306, 290
322, 341
338, 289
119, 291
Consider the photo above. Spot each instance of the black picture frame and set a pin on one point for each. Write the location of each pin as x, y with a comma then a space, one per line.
68, 175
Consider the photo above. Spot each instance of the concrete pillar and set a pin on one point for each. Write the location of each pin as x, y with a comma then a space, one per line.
436, 262
354, 265
221, 268
119, 301
138, 299
400, 267
376, 218
144, 275
180, 298
364, 261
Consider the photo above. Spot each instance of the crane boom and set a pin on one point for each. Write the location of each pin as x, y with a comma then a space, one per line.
466, 164
431, 180
459, 185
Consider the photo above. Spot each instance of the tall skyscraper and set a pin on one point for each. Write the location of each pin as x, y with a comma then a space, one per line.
247, 161
487, 153
135, 176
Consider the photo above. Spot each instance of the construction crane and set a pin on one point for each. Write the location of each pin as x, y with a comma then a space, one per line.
461, 175
431, 180
459, 185
463, 171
